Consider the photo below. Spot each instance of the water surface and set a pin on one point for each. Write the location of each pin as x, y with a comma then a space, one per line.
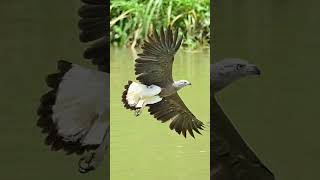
143, 148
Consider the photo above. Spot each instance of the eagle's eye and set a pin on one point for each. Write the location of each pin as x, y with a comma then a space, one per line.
239, 66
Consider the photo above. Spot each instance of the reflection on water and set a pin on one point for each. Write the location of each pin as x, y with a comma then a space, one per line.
278, 114
144, 148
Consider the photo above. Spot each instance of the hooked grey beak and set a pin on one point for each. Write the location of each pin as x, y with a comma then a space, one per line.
253, 69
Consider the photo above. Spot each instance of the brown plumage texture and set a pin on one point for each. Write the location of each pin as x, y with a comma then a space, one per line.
154, 66
231, 157
173, 108
94, 26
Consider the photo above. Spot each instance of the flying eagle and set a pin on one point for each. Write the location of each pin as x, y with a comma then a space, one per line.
75, 113
231, 157
158, 90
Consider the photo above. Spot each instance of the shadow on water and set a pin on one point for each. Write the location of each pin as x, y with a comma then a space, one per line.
144, 148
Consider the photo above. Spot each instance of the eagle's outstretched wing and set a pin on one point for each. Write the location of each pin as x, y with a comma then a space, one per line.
154, 64
173, 108
94, 27
231, 157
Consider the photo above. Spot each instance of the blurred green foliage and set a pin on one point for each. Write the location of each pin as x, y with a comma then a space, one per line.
131, 21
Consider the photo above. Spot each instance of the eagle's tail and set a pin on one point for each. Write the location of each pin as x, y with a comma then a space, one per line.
45, 112
131, 99
136, 96
48, 112
69, 114
124, 97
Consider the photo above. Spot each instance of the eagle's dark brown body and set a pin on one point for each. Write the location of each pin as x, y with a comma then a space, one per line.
168, 91
231, 157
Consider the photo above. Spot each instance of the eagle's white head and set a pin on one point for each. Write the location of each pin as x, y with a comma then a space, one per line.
181, 83
229, 70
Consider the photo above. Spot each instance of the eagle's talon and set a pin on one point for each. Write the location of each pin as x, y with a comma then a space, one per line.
137, 112
84, 162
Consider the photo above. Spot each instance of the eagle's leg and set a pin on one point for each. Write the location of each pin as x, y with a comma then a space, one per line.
93, 158
86, 163
139, 111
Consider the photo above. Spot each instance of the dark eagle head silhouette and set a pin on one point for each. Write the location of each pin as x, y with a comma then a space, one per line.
157, 89
229, 70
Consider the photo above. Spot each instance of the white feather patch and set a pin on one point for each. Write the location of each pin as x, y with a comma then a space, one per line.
82, 99
140, 93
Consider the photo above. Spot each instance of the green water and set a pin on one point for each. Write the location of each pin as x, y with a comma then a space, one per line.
278, 113
34, 36
143, 148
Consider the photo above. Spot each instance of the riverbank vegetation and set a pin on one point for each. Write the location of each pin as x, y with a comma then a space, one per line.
131, 21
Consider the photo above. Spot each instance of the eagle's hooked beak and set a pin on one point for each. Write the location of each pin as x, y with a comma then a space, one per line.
253, 69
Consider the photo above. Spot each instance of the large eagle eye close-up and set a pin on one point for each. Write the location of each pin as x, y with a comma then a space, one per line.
239, 66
